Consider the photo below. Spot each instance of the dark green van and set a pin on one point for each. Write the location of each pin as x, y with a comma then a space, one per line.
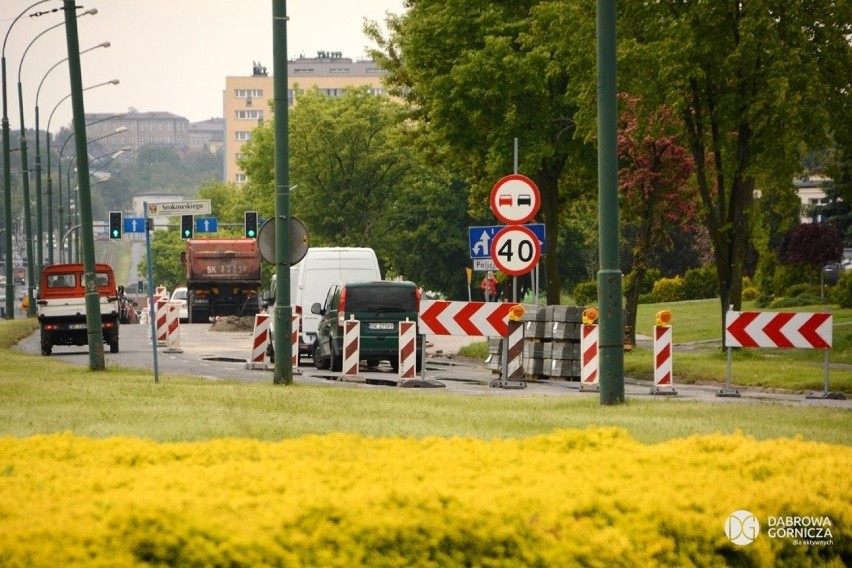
379, 306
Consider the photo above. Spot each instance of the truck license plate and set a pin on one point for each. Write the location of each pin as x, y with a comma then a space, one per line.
382, 325
77, 326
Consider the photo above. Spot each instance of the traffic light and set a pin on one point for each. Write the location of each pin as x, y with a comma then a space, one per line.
115, 224
251, 224
186, 227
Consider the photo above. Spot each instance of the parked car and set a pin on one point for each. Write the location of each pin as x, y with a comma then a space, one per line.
379, 306
179, 297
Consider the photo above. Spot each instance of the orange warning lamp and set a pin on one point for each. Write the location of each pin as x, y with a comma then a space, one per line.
517, 312
590, 316
664, 318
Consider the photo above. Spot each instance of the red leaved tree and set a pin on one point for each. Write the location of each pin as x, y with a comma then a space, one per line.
654, 181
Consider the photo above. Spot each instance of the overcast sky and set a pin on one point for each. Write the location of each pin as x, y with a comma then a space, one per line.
169, 55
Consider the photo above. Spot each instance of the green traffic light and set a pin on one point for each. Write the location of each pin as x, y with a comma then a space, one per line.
251, 234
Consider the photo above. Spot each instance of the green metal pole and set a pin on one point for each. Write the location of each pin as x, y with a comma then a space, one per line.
283, 315
7, 202
94, 325
28, 221
39, 212
611, 330
49, 194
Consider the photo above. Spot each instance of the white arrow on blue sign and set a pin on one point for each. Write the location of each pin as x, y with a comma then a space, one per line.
134, 224
479, 238
206, 224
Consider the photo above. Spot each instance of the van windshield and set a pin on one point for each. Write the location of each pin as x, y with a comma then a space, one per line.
381, 299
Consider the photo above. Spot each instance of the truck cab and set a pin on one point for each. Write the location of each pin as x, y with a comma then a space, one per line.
62, 306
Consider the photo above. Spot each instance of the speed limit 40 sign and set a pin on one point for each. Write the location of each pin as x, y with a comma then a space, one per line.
515, 250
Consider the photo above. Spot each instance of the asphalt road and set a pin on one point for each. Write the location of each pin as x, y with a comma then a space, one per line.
216, 355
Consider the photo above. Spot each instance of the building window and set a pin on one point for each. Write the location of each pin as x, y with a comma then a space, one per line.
338, 70
240, 178
249, 114
242, 135
248, 93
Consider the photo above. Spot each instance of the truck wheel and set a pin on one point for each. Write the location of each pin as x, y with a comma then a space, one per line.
319, 362
46, 349
336, 360
113, 346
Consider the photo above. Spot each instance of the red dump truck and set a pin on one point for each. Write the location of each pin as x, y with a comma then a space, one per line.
222, 278
62, 306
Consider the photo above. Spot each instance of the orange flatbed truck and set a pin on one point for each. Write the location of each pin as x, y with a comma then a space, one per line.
62, 306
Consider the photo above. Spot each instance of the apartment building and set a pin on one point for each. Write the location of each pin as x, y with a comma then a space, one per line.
245, 100
132, 130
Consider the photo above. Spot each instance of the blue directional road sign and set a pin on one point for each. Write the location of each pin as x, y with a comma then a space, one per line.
479, 238
134, 224
206, 224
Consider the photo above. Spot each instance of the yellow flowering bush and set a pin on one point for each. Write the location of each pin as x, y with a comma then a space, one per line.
586, 498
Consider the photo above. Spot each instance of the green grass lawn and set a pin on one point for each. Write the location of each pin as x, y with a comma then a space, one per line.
40, 395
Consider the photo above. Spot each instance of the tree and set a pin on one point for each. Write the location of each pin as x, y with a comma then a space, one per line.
812, 245
364, 178
479, 74
654, 183
345, 161
754, 82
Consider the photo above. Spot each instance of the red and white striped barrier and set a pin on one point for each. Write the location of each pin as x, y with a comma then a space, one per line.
513, 356
663, 378
351, 348
162, 320
407, 349
260, 341
589, 358
294, 339
784, 330
173, 326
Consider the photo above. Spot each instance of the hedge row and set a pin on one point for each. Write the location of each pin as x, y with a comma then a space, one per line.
590, 498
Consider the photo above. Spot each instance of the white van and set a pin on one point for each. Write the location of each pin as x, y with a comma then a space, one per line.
311, 278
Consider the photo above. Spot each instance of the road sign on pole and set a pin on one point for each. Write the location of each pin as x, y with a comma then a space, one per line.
479, 239
515, 250
206, 224
515, 199
175, 208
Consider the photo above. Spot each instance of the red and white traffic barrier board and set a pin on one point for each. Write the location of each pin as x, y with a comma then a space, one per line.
173, 325
786, 330
351, 347
162, 320
512, 367
778, 329
663, 380
441, 317
589, 356
260, 342
407, 349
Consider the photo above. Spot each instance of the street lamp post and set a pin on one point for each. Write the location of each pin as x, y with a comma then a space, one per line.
28, 230
7, 174
59, 166
49, 192
74, 246
94, 326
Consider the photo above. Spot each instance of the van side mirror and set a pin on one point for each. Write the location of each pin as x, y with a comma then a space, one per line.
317, 309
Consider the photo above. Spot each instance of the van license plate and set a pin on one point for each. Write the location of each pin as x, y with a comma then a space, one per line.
381, 325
